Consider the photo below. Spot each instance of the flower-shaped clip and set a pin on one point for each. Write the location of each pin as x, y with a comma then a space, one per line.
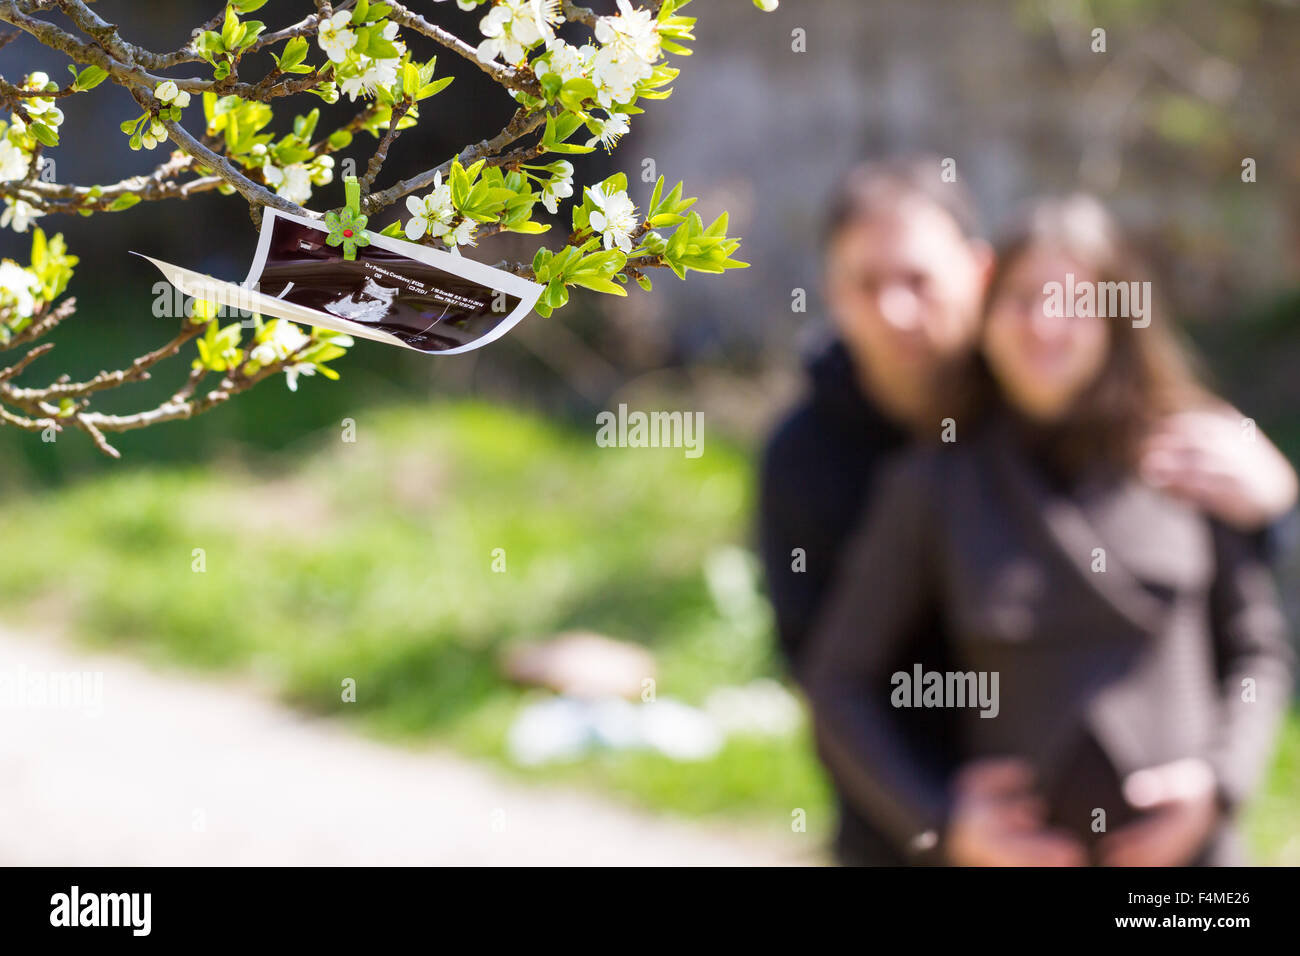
347, 226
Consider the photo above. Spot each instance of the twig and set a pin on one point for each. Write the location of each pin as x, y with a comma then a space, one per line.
13, 371
381, 151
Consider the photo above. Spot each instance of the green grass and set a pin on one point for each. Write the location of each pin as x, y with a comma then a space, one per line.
373, 561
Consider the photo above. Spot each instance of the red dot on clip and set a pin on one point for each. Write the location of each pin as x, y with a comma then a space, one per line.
347, 233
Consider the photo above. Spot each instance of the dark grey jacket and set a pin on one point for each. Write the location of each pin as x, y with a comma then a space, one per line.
1176, 649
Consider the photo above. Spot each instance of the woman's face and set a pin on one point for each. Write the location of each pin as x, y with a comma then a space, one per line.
1042, 360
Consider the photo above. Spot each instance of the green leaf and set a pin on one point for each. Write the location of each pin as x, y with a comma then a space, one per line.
89, 78
230, 28
541, 264
577, 91
295, 51
459, 184
599, 284
44, 134
304, 126
570, 148
437, 86
655, 196
381, 49
124, 201
250, 32
551, 83
39, 246
556, 295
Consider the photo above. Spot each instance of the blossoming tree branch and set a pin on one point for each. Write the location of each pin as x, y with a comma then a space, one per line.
572, 93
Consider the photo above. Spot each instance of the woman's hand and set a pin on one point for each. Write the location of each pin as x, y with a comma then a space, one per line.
997, 820
1184, 810
1221, 463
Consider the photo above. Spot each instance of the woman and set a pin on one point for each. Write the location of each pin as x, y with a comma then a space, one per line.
1135, 649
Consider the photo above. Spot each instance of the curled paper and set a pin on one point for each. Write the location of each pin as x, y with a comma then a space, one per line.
394, 291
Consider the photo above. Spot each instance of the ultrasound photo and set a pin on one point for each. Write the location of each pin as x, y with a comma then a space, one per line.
427, 307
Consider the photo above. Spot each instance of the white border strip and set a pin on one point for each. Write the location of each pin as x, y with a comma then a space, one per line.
527, 292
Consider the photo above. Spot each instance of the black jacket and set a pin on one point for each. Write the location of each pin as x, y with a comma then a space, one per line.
818, 472
1145, 657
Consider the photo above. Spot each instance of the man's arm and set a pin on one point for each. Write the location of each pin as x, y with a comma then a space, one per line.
1220, 462
885, 582
796, 583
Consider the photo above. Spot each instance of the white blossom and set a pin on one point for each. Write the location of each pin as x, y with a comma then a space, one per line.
567, 61
547, 14
612, 128
510, 29
279, 340
334, 37
14, 162
615, 217
154, 135
321, 170
293, 371
616, 72
432, 214
462, 235
634, 30
560, 186
292, 182
630, 47
372, 74
168, 93
17, 289
19, 214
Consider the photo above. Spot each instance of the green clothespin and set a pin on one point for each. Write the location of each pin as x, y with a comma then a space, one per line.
347, 227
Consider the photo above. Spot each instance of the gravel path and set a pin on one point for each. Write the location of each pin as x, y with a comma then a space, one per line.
179, 770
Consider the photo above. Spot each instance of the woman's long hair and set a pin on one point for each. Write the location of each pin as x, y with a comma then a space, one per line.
1147, 374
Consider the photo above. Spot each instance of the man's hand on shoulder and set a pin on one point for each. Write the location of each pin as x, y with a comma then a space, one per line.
1219, 461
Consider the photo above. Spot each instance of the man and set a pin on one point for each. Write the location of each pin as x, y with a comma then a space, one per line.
904, 277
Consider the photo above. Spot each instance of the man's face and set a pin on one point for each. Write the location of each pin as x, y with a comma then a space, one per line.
904, 287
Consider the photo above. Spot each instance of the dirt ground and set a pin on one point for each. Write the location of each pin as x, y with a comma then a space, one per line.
171, 769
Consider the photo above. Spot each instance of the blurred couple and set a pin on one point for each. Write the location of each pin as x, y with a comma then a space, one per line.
990, 488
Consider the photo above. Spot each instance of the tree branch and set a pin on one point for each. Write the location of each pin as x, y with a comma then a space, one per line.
512, 78
520, 125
